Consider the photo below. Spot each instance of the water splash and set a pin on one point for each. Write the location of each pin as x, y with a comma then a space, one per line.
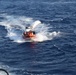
15, 26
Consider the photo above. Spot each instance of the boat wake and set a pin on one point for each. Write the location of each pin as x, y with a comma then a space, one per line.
15, 26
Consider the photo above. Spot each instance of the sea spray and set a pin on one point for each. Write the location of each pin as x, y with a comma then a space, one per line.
15, 26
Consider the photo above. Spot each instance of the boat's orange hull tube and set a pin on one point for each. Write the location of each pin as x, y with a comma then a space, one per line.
28, 35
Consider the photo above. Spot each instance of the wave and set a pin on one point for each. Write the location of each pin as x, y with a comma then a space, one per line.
60, 2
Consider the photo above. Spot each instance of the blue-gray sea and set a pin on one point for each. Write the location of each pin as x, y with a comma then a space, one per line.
56, 56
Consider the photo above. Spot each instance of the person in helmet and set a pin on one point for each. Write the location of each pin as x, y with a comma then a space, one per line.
29, 33
28, 29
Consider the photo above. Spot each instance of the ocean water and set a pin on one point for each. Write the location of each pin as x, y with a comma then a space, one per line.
54, 53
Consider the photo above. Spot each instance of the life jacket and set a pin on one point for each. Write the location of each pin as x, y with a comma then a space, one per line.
29, 34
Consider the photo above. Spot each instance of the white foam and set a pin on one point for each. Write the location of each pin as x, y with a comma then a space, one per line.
15, 26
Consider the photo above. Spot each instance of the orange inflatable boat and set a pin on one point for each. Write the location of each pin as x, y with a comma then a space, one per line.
29, 35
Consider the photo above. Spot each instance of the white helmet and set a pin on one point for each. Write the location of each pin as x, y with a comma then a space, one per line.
28, 29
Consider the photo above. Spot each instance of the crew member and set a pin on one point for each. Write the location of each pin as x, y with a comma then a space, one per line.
29, 33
